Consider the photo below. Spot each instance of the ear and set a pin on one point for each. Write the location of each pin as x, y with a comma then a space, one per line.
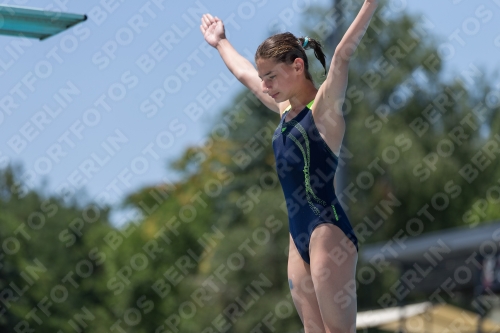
298, 65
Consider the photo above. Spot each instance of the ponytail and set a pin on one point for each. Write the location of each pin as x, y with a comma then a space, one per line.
311, 43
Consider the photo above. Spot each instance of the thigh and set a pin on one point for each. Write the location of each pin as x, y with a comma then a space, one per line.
303, 292
333, 270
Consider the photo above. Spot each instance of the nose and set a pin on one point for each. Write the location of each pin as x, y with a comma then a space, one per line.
265, 86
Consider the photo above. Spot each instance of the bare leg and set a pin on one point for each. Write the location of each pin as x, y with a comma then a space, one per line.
333, 270
303, 291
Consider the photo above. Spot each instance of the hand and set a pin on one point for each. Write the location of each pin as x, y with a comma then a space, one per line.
212, 29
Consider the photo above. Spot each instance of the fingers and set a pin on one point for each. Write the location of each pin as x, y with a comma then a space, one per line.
202, 28
208, 19
205, 22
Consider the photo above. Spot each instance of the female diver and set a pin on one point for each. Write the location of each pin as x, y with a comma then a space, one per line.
323, 249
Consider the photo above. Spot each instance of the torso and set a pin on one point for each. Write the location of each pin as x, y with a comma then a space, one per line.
306, 168
303, 157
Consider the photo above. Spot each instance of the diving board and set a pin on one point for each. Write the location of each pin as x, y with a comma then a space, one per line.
34, 22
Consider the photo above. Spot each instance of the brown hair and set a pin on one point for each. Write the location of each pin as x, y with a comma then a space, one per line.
285, 47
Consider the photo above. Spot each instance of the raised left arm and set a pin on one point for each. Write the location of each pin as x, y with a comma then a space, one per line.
356, 31
331, 94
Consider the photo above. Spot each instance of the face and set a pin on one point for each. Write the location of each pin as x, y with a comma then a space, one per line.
279, 80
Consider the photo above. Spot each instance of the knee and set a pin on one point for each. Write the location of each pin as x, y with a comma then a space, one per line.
344, 318
342, 329
314, 326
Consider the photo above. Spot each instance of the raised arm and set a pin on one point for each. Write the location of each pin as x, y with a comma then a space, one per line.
332, 92
356, 31
213, 31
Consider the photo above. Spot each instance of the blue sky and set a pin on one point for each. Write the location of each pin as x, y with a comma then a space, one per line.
104, 105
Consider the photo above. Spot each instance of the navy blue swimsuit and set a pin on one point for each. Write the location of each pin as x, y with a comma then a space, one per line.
306, 167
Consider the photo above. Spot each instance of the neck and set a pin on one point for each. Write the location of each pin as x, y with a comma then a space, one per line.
299, 100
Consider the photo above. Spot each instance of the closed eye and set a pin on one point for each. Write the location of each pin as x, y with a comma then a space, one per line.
271, 77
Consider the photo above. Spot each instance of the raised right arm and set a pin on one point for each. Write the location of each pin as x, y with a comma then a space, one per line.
213, 31
244, 71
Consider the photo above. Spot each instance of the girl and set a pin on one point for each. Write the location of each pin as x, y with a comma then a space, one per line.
323, 248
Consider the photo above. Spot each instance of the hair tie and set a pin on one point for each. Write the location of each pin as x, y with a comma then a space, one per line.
306, 40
